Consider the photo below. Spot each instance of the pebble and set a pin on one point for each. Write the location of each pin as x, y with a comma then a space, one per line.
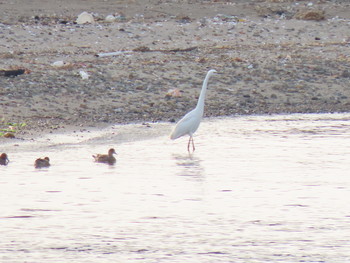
59, 64
85, 18
83, 74
110, 19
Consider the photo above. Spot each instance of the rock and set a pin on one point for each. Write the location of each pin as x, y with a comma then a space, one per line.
345, 74
83, 74
9, 135
12, 72
184, 19
59, 64
110, 19
173, 93
142, 49
316, 15
85, 18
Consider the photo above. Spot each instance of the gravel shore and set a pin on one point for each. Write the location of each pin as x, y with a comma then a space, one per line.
273, 57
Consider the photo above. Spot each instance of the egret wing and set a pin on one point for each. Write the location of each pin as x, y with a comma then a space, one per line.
187, 125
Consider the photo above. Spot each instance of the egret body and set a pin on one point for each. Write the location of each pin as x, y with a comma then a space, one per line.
190, 122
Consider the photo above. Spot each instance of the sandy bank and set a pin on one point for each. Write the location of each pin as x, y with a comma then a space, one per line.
269, 61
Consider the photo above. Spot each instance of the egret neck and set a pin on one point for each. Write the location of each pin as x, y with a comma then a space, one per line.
200, 103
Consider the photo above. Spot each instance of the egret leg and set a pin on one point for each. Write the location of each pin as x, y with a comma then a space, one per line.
188, 145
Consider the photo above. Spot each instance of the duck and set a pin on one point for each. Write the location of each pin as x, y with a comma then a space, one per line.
105, 158
42, 162
4, 160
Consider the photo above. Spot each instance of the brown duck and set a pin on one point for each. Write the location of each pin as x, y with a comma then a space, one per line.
42, 162
106, 158
4, 160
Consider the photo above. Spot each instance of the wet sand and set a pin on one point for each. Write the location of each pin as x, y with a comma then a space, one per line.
270, 59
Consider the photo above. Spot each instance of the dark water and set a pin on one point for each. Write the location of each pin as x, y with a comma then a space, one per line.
257, 189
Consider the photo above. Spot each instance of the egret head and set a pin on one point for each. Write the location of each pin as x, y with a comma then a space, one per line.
211, 72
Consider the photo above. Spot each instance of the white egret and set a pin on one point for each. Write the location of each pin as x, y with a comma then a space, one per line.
190, 122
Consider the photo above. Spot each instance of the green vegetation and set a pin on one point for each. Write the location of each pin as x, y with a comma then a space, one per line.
10, 128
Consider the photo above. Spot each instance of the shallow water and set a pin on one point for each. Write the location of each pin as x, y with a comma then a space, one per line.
257, 189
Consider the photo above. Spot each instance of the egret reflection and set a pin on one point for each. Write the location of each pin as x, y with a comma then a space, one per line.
190, 165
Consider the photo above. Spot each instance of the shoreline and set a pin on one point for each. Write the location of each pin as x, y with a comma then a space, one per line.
112, 136
134, 131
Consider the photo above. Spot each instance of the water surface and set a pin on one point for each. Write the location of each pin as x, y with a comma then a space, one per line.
257, 189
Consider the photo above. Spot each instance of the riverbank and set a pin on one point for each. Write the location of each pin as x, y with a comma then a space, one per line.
270, 60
